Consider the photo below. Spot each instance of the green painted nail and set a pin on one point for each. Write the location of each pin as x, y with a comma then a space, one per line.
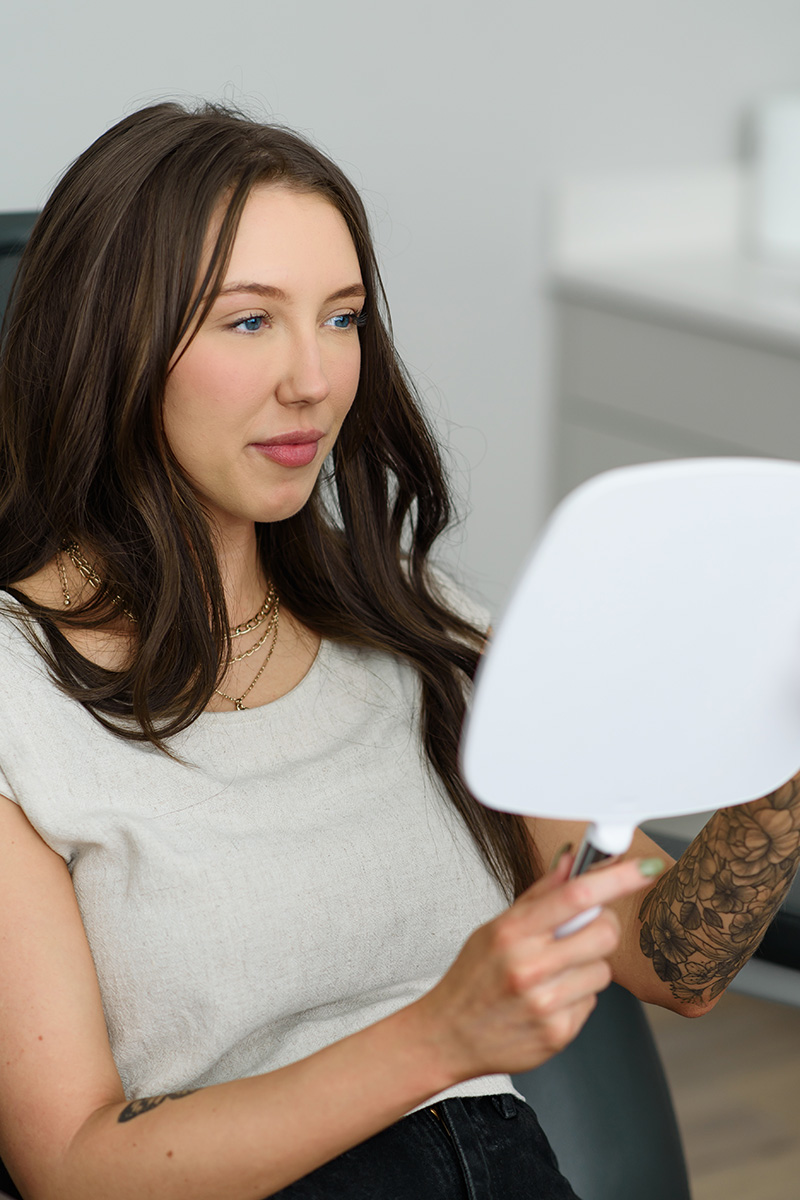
562, 850
651, 866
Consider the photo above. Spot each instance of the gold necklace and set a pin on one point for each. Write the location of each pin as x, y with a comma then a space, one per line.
82, 564
260, 616
248, 653
271, 606
237, 700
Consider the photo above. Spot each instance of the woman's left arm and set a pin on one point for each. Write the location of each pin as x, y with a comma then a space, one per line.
701, 920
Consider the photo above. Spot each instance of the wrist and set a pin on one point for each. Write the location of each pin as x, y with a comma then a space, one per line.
428, 1031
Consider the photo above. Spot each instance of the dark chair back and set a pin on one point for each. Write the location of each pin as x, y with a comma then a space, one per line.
14, 230
9, 1189
605, 1105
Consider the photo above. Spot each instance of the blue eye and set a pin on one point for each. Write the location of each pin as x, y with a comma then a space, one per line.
250, 324
346, 320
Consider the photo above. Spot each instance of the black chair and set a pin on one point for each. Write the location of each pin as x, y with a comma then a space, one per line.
10, 1192
605, 1105
14, 230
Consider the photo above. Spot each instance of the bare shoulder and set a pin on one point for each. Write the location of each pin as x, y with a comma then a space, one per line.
58, 1067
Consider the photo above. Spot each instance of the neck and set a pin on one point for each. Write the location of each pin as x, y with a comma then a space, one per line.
242, 574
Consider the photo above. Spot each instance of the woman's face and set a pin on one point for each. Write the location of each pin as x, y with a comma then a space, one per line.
256, 401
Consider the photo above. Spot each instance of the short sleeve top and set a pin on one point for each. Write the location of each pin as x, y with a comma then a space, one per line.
294, 874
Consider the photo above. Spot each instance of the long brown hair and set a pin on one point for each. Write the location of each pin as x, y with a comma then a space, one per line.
106, 290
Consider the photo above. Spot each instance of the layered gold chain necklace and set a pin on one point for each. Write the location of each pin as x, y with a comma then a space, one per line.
269, 613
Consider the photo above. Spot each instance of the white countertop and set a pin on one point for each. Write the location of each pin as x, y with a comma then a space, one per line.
722, 293
676, 245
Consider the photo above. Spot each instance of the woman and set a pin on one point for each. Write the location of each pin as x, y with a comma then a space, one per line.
250, 918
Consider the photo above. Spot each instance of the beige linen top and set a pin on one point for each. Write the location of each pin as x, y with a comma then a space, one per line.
300, 876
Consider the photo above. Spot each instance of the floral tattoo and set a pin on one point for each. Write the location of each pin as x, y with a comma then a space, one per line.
705, 917
137, 1107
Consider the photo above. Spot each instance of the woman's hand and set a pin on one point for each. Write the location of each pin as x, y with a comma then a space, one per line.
517, 994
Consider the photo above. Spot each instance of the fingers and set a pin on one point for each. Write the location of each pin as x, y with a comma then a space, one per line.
518, 994
544, 909
565, 1025
558, 1007
573, 987
535, 960
558, 874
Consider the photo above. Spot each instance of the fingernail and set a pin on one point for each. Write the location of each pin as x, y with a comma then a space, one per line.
565, 849
651, 866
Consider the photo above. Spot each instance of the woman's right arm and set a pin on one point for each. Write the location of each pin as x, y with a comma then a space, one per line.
514, 996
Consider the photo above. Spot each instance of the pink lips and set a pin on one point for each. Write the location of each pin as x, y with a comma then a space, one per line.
296, 449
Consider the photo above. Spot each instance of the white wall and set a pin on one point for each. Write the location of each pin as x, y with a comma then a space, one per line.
452, 116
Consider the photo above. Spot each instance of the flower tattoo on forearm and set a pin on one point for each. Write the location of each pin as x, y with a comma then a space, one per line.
706, 916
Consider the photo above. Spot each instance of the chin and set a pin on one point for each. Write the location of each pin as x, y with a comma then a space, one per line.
280, 512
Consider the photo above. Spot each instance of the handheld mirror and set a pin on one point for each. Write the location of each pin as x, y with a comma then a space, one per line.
648, 663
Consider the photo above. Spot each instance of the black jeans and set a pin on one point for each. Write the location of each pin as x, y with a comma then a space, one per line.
478, 1148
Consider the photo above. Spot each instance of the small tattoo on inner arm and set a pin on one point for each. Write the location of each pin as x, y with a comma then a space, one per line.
146, 1103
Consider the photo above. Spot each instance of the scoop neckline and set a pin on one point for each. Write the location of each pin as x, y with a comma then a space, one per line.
248, 716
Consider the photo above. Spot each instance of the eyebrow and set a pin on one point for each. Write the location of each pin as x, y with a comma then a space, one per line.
352, 291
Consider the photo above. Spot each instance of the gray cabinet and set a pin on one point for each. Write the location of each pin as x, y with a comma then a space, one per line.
645, 373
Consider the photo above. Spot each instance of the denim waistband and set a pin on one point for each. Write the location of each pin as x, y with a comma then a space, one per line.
470, 1148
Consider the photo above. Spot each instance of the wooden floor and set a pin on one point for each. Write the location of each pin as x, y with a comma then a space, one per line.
735, 1079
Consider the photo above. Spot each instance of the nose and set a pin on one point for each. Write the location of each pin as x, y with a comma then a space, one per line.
303, 379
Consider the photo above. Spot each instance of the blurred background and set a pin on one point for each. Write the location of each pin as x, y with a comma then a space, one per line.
459, 121
580, 210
